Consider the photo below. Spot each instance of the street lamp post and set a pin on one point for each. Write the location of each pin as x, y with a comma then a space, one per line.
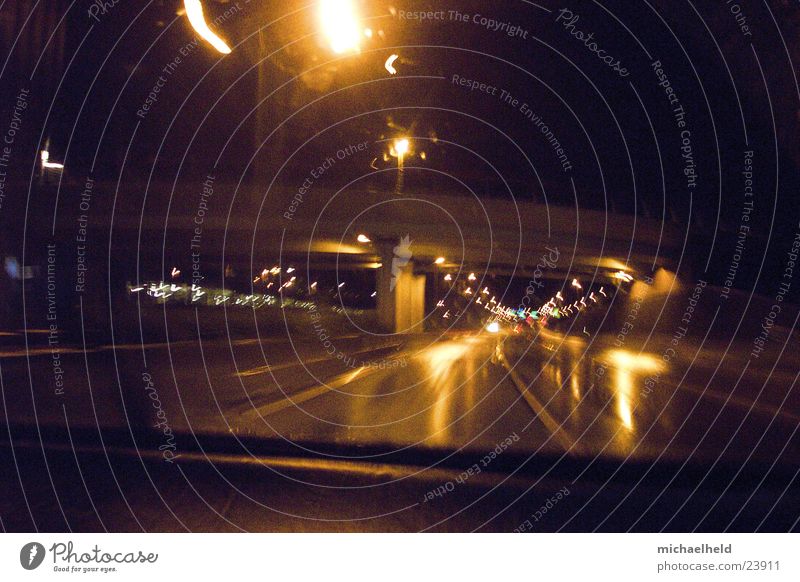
399, 150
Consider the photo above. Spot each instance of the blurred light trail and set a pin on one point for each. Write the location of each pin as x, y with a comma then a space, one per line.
194, 11
576, 284
439, 260
362, 238
46, 163
388, 64
623, 276
471, 277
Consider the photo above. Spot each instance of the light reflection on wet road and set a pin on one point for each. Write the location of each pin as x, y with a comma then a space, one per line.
585, 400
558, 394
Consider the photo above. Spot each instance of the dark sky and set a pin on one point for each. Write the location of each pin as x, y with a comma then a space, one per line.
282, 100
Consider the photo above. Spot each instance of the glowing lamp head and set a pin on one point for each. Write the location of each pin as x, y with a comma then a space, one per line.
401, 147
439, 261
493, 327
362, 238
339, 22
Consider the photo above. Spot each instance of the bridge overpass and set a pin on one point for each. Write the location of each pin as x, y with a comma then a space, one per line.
210, 226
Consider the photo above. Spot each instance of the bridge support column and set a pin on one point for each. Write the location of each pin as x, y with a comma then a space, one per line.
401, 293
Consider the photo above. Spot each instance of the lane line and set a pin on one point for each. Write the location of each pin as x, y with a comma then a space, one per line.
305, 395
548, 421
273, 368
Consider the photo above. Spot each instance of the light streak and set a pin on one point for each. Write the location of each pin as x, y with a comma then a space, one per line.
194, 11
388, 64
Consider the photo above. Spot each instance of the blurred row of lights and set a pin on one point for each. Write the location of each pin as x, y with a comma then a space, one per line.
554, 307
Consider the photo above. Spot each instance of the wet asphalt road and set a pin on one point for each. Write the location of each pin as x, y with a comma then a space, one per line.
469, 391
499, 401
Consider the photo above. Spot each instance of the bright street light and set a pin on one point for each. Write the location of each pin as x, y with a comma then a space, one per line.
439, 261
339, 22
362, 238
400, 148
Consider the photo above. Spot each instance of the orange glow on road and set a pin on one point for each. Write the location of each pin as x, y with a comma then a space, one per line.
628, 366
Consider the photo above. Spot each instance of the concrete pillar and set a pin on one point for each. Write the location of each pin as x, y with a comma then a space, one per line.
401, 293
